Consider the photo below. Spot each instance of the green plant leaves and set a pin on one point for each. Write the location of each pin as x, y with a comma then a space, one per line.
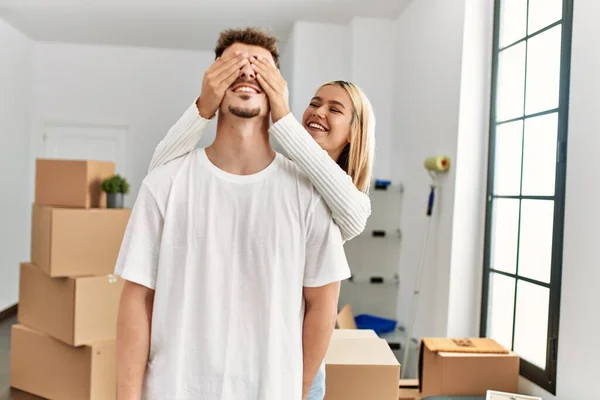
115, 184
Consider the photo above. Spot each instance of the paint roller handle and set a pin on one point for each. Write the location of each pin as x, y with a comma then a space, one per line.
431, 201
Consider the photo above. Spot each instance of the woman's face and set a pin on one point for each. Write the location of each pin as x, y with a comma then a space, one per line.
327, 118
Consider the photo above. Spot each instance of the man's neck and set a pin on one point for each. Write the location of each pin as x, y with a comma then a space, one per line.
241, 145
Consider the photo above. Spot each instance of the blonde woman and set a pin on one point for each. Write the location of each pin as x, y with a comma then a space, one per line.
333, 145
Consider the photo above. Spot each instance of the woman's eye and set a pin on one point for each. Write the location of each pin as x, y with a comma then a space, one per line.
314, 105
335, 110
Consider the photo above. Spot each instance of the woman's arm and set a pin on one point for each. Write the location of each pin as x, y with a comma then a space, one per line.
181, 139
350, 208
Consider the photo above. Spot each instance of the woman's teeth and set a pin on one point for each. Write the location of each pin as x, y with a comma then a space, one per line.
317, 126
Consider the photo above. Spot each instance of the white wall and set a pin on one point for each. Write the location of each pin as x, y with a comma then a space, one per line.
372, 69
286, 63
144, 89
579, 326
427, 87
360, 52
320, 54
15, 116
466, 272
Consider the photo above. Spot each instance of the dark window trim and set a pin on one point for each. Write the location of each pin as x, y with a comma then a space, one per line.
546, 379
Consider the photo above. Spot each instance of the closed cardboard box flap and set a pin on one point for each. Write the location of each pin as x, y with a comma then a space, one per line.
353, 334
466, 367
363, 352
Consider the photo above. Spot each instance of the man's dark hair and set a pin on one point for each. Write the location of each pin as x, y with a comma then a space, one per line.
249, 36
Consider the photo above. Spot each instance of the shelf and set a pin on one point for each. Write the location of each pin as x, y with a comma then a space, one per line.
381, 234
375, 280
393, 188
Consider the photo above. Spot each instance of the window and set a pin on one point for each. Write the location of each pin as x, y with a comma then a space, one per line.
526, 182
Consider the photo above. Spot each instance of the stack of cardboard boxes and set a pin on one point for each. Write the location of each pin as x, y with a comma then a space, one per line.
63, 346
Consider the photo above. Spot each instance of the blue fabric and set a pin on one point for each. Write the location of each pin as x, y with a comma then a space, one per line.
317, 390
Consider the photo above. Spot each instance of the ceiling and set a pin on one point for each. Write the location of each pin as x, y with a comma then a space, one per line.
182, 24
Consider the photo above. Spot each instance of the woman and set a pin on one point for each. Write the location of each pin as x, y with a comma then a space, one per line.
333, 146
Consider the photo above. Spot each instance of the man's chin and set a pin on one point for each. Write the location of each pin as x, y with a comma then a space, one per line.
244, 112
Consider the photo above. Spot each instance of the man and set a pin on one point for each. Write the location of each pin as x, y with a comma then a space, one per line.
231, 260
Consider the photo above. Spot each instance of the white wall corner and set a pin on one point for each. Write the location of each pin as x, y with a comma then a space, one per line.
427, 68
464, 303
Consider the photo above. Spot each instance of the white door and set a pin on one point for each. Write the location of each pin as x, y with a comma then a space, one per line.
87, 142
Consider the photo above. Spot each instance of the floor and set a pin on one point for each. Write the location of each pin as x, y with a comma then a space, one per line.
6, 393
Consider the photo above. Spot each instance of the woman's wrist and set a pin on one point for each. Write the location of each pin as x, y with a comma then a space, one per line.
279, 112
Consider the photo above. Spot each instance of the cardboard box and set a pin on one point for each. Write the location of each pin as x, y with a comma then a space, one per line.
76, 311
359, 369
353, 334
51, 369
345, 318
77, 242
71, 183
409, 394
409, 389
467, 367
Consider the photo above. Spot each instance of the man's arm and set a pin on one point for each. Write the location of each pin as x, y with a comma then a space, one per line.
137, 265
133, 339
319, 321
326, 266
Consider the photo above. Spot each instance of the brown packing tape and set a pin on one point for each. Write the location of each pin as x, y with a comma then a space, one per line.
468, 345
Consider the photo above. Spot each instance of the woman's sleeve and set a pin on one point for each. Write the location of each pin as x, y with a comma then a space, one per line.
181, 139
350, 208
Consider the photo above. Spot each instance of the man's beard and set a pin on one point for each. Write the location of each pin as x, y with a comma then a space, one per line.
244, 112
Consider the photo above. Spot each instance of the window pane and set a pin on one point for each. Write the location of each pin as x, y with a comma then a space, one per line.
507, 168
543, 13
511, 82
535, 248
539, 165
543, 71
531, 323
501, 309
513, 21
505, 223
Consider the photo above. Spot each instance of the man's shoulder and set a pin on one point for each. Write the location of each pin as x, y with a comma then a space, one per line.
161, 178
306, 190
291, 171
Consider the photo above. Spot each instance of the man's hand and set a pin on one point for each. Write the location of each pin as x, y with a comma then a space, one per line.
274, 85
217, 79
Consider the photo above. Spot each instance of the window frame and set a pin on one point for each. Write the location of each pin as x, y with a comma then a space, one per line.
545, 378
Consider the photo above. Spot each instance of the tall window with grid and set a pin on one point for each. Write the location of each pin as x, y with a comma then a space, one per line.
526, 182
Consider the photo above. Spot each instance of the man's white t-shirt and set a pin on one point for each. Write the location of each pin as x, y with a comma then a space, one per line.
228, 256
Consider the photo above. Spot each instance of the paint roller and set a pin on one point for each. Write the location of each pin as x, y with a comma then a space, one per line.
433, 165
437, 163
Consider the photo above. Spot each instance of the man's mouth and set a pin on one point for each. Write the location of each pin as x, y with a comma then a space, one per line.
315, 125
245, 89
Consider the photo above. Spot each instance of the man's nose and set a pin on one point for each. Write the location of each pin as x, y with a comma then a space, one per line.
247, 72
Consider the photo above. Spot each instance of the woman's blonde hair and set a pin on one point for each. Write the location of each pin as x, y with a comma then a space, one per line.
358, 155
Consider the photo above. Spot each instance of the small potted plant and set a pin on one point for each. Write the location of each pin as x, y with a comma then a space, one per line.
116, 187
